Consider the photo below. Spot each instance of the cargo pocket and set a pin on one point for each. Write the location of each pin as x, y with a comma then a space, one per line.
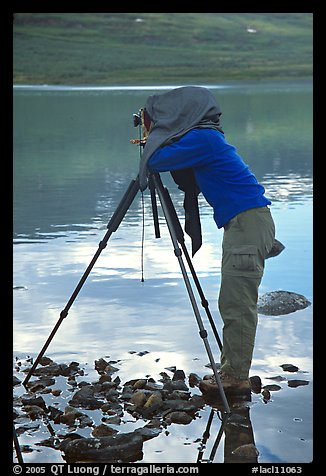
244, 258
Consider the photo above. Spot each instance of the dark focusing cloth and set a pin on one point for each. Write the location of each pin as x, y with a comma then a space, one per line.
173, 114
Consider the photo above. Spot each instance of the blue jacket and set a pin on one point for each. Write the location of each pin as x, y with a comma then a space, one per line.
224, 179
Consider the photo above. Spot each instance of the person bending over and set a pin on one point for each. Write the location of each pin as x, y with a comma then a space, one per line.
185, 135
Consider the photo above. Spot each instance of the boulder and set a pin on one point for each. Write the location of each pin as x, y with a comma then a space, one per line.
124, 447
277, 303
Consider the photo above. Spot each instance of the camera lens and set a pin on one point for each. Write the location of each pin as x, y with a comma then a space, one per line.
137, 120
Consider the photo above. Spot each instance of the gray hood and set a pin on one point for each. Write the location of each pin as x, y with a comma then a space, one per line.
175, 113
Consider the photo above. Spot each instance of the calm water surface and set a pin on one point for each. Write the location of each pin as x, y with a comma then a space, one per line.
72, 163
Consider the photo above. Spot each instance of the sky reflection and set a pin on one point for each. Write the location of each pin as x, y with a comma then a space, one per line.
62, 207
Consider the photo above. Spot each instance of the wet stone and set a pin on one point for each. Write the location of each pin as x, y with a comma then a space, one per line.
103, 430
297, 383
33, 400
180, 417
34, 411
16, 381
277, 303
194, 380
125, 447
85, 398
255, 382
248, 451
266, 394
162, 403
272, 387
277, 378
179, 375
289, 368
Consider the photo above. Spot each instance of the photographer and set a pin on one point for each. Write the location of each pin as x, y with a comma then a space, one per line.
185, 138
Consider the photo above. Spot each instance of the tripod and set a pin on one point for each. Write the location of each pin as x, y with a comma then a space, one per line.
177, 235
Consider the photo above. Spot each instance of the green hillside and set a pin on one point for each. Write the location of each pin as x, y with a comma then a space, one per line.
160, 48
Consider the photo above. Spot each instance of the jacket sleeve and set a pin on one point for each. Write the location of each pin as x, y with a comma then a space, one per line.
192, 150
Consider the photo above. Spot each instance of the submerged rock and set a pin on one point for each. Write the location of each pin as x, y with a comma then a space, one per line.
297, 383
246, 451
103, 430
85, 398
277, 303
180, 417
289, 368
125, 447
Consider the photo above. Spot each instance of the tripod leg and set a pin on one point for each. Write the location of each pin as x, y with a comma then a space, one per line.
17, 447
112, 226
151, 187
162, 193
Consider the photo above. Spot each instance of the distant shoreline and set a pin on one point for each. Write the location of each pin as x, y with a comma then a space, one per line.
102, 87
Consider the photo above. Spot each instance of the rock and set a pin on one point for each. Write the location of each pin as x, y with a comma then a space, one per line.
179, 405
34, 411
197, 400
255, 382
52, 370
30, 426
56, 392
142, 352
171, 369
124, 447
54, 414
165, 377
103, 430
51, 442
16, 381
180, 417
277, 303
153, 386
148, 432
105, 378
237, 420
246, 451
100, 365
277, 378
104, 367
179, 375
266, 395
179, 395
40, 384
112, 420
297, 383
289, 368
140, 383
272, 388
194, 380
45, 361
71, 414
154, 401
112, 395
85, 398
138, 399
32, 400
175, 385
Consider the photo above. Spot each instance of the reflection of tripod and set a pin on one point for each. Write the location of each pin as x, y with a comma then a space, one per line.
176, 233
239, 442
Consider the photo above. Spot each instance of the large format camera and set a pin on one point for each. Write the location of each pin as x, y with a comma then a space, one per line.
143, 121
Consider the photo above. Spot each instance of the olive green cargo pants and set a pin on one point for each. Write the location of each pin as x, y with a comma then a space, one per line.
248, 237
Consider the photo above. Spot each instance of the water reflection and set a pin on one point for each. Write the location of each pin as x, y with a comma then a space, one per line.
72, 156
72, 164
236, 427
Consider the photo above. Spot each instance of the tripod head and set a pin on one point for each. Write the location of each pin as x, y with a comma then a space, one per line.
143, 122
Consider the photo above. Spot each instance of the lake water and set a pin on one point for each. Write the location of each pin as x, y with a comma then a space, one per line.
73, 162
